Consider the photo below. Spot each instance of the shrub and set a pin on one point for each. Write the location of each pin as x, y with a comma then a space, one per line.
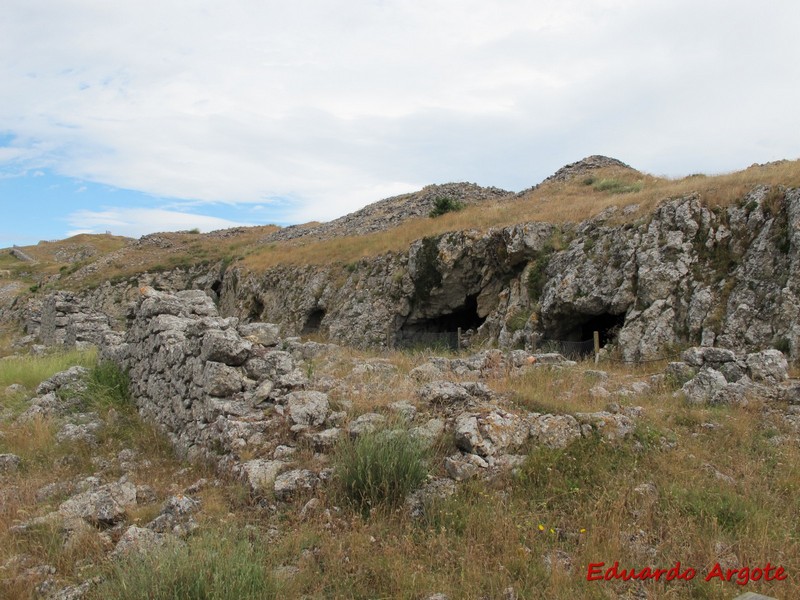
443, 204
537, 276
214, 566
379, 469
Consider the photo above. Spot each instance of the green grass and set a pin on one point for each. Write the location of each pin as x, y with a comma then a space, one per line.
616, 186
378, 469
107, 387
216, 565
30, 371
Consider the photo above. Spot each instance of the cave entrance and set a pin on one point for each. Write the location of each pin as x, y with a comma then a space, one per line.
313, 322
256, 309
441, 330
606, 324
574, 335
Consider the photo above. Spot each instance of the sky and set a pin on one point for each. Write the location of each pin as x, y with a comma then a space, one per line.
157, 115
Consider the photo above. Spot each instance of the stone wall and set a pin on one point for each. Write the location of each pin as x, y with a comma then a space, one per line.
209, 382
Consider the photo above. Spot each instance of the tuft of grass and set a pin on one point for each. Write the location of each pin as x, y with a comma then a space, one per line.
378, 469
216, 565
107, 387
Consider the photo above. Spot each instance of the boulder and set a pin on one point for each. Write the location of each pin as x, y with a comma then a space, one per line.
105, 506
769, 366
290, 483
307, 408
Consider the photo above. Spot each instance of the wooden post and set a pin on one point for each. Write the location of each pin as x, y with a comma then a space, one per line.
458, 340
596, 347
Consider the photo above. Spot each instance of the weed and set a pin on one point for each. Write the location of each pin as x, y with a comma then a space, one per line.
378, 469
216, 565
107, 387
518, 320
30, 371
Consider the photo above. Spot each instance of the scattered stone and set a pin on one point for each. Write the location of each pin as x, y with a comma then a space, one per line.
405, 409
769, 366
464, 466
85, 432
307, 408
554, 431
261, 474
609, 426
327, 439
426, 372
291, 482
14, 388
138, 540
557, 560
435, 489
105, 506
703, 386
429, 432
366, 423
265, 334
9, 463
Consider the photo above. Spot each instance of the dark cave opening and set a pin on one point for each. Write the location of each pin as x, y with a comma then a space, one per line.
256, 309
606, 324
216, 287
581, 328
465, 317
313, 322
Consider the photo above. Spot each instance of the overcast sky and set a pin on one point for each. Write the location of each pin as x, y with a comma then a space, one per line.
155, 115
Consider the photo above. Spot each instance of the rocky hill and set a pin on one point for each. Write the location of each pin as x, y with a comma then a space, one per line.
656, 265
391, 212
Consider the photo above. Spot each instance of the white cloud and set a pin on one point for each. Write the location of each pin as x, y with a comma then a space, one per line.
135, 222
334, 104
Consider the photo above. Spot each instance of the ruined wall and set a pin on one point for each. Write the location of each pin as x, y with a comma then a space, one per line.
208, 381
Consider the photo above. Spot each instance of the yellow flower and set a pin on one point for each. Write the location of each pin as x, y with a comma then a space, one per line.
583, 530
541, 527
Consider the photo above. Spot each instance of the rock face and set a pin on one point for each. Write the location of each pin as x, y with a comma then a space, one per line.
685, 274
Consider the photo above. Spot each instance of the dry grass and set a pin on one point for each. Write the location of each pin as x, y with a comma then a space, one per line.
118, 258
569, 202
720, 490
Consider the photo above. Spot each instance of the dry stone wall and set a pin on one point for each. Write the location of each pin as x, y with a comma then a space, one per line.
212, 383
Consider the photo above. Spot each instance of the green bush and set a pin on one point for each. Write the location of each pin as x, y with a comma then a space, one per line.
212, 566
379, 469
443, 204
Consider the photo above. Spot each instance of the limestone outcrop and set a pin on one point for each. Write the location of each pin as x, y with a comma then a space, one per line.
685, 274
